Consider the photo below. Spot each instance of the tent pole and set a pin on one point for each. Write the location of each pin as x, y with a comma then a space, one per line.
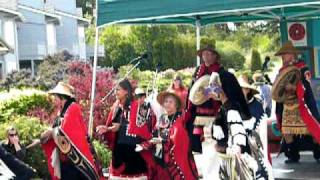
93, 87
198, 28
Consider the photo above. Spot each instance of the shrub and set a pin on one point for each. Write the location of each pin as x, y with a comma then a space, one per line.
255, 61
20, 102
80, 77
19, 79
29, 129
232, 59
103, 154
52, 70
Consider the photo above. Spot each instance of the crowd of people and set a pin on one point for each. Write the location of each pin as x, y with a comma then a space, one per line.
218, 109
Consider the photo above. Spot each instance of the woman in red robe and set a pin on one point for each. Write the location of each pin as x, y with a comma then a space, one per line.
126, 127
171, 141
66, 144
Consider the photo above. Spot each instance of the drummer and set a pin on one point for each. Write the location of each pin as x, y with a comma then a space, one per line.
296, 109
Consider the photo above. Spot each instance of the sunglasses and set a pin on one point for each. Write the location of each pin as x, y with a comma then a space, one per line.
12, 135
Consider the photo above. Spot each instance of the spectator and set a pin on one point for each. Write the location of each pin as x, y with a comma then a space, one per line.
179, 89
12, 144
265, 92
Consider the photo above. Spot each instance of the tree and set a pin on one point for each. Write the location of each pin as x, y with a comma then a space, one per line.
255, 61
53, 69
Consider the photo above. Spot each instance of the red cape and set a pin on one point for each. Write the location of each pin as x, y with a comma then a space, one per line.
74, 129
143, 132
180, 150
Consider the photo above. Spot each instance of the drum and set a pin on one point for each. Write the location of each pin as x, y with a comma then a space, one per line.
289, 75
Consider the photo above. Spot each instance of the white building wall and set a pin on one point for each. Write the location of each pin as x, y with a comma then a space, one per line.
67, 35
32, 36
82, 42
51, 38
11, 62
68, 6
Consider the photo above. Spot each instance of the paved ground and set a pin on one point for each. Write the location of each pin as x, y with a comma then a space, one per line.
307, 169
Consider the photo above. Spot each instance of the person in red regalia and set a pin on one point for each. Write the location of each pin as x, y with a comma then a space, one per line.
127, 126
179, 89
171, 143
199, 115
66, 144
296, 108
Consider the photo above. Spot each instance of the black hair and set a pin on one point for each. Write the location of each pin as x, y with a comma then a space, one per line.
141, 95
69, 101
233, 91
126, 85
249, 96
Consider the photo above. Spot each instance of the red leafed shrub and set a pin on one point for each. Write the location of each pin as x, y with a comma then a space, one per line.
80, 77
46, 115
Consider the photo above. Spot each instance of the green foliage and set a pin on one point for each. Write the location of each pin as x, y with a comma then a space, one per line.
174, 46
29, 129
206, 40
12, 103
103, 154
232, 59
255, 61
164, 78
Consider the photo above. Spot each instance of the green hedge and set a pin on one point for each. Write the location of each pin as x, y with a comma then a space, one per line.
19, 102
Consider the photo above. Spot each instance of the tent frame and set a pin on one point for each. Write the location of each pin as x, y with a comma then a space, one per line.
264, 12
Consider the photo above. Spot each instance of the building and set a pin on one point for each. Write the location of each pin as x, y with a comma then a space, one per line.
9, 18
33, 29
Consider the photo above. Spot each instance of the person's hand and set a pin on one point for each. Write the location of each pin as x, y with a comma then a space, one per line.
14, 140
46, 135
155, 141
213, 95
101, 129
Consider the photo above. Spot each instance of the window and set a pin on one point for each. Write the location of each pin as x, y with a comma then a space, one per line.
36, 64
25, 64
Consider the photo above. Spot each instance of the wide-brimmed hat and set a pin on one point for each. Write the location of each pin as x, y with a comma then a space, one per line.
288, 48
207, 48
243, 82
258, 77
139, 91
162, 96
63, 89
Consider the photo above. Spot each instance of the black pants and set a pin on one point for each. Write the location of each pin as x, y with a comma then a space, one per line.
69, 171
195, 140
19, 168
302, 143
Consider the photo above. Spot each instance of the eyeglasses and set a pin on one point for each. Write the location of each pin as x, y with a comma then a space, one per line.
12, 135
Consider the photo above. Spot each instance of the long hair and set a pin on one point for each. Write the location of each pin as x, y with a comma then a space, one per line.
126, 85
69, 101
233, 91
177, 77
